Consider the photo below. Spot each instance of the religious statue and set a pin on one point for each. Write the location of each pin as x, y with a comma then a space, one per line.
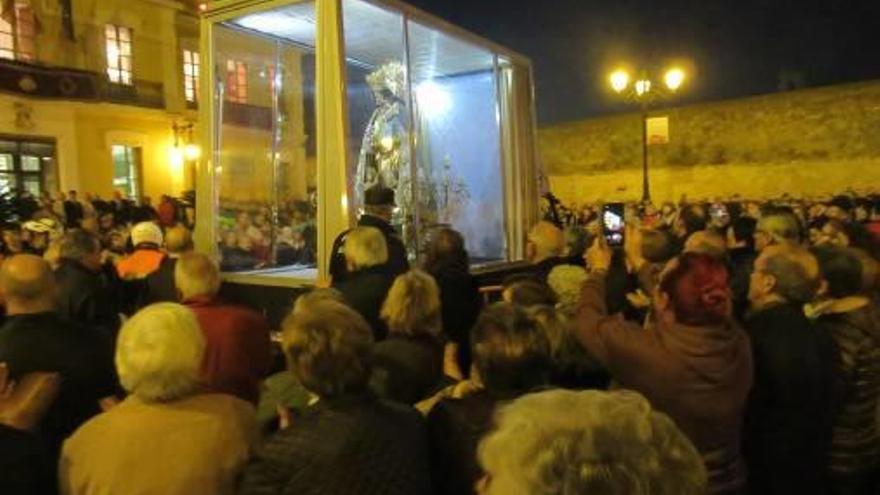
384, 156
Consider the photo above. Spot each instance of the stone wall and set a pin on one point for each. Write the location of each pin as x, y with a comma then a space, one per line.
809, 142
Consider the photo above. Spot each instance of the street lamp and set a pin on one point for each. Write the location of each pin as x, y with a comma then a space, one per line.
644, 93
184, 152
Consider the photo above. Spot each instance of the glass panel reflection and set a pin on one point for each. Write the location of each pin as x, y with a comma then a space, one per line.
266, 167
458, 139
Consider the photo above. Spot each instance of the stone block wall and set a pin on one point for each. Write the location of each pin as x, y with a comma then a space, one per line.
811, 142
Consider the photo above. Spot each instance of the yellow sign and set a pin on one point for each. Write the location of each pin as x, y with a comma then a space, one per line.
658, 130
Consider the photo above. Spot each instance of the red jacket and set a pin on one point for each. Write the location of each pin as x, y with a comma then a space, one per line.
237, 348
699, 376
167, 214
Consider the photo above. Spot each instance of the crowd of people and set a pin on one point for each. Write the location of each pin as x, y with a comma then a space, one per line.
722, 348
249, 238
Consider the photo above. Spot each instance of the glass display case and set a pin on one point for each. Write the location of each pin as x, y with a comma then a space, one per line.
310, 103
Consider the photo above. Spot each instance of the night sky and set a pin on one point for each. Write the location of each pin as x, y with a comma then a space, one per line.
737, 48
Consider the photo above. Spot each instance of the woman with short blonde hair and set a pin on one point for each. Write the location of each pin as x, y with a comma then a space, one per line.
412, 306
409, 364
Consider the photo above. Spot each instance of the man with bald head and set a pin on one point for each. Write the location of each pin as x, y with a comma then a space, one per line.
707, 242
35, 339
237, 345
160, 284
545, 248
789, 415
777, 227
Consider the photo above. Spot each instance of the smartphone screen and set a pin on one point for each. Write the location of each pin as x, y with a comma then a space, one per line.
613, 223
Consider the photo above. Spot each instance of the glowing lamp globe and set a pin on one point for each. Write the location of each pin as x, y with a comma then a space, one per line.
674, 79
619, 80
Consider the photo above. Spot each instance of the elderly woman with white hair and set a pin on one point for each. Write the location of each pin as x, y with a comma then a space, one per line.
563, 442
166, 438
368, 279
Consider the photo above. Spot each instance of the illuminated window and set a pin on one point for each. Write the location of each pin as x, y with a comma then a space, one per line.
127, 170
191, 75
118, 54
236, 81
27, 165
17, 32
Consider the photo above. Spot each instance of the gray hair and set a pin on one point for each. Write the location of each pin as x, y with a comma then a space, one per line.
365, 247
548, 240
782, 227
792, 267
566, 282
563, 441
77, 244
196, 275
159, 353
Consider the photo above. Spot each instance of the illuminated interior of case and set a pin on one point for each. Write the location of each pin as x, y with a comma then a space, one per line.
444, 136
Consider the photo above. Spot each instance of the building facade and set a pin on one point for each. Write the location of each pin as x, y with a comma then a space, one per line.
98, 96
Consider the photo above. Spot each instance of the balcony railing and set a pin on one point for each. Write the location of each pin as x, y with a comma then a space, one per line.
71, 84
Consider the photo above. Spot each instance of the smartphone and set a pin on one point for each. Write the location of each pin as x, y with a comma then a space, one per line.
613, 223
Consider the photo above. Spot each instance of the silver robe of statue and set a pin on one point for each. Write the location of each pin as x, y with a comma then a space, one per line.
384, 156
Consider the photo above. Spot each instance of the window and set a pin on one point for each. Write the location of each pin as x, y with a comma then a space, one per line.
191, 75
17, 32
118, 54
27, 165
236, 81
127, 170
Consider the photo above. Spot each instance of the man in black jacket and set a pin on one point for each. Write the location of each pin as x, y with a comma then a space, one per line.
741, 250
160, 284
789, 414
73, 211
35, 339
84, 295
378, 208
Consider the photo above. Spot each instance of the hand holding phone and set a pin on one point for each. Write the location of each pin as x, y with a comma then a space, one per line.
613, 224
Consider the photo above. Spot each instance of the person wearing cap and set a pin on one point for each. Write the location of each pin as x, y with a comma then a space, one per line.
378, 207
39, 234
147, 240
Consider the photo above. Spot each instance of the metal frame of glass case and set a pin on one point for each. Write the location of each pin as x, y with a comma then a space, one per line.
513, 111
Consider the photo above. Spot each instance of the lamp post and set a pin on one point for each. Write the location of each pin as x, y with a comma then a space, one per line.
644, 92
184, 152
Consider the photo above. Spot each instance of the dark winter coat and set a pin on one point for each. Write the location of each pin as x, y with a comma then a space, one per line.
86, 297
788, 419
407, 368
352, 446
365, 291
